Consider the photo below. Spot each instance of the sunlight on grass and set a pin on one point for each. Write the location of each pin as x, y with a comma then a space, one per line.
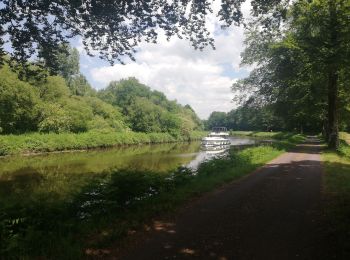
282, 136
337, 188
39, 143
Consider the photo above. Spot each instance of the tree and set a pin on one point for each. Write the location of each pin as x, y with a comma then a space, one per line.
299, 65
112, 28
144, 116
216, 119
68, 62
52, 88
322, 30
54, 118
19, 104
79, 86
69, 68
149, 111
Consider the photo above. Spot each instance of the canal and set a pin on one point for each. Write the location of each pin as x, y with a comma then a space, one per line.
62, 173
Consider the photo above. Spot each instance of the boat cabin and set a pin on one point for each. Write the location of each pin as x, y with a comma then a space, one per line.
219, 131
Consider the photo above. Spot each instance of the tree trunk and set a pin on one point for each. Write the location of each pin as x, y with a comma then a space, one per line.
333, 132
325, 129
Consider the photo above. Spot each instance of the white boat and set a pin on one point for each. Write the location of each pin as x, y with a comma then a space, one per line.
218, 137
215, 150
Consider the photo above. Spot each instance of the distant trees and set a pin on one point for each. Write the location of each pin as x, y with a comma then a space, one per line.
246, 118
216, 119
55, 104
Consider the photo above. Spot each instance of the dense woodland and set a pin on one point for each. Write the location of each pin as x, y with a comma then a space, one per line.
67, 103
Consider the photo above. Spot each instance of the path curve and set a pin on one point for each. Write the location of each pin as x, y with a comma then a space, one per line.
274, 213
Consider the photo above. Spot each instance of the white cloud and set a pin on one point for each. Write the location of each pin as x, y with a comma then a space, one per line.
198, 78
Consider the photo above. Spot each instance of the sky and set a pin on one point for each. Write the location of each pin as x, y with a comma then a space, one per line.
202, 79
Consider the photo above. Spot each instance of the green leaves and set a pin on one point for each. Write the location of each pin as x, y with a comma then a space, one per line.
296, 62
149, 111
18, 104
114, 29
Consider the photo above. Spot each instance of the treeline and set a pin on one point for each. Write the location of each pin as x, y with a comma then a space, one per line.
149, 111
66, 103
272, 117
301, 75
246, 118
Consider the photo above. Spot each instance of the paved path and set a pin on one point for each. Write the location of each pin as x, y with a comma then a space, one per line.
274, 213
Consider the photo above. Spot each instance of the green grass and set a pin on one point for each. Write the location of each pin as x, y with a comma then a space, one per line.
345, 137
39, 143
103, 210
281, 136
337, 188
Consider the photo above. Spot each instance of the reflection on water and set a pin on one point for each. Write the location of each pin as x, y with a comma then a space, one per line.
63, 173
209, 152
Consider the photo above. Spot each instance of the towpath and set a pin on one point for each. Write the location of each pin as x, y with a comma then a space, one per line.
274, 213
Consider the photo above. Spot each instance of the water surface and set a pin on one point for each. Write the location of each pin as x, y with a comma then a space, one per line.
63, 173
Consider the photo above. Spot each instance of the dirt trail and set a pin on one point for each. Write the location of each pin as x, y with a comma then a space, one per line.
274, 213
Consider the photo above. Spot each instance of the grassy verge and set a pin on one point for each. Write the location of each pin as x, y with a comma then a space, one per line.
39, 143
105, 209
337, 188
280, 136
345, 137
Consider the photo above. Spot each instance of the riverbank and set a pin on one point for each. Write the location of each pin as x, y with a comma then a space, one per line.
44, 143
337, 190
108, 207
280, 136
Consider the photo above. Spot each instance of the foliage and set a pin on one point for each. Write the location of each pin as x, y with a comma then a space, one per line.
46, 105
246, 117
149, 111
69, 69
337, 188
300, 73
68, 62
79, 86
216, 119
113, 29
55, 119
67, 103
18, 104
144, 116
51, 89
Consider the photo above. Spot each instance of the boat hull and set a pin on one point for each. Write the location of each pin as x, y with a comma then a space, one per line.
215, 142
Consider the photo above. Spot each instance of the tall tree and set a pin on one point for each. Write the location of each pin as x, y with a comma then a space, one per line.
69, 68
299, 65
216, 119
68, 62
